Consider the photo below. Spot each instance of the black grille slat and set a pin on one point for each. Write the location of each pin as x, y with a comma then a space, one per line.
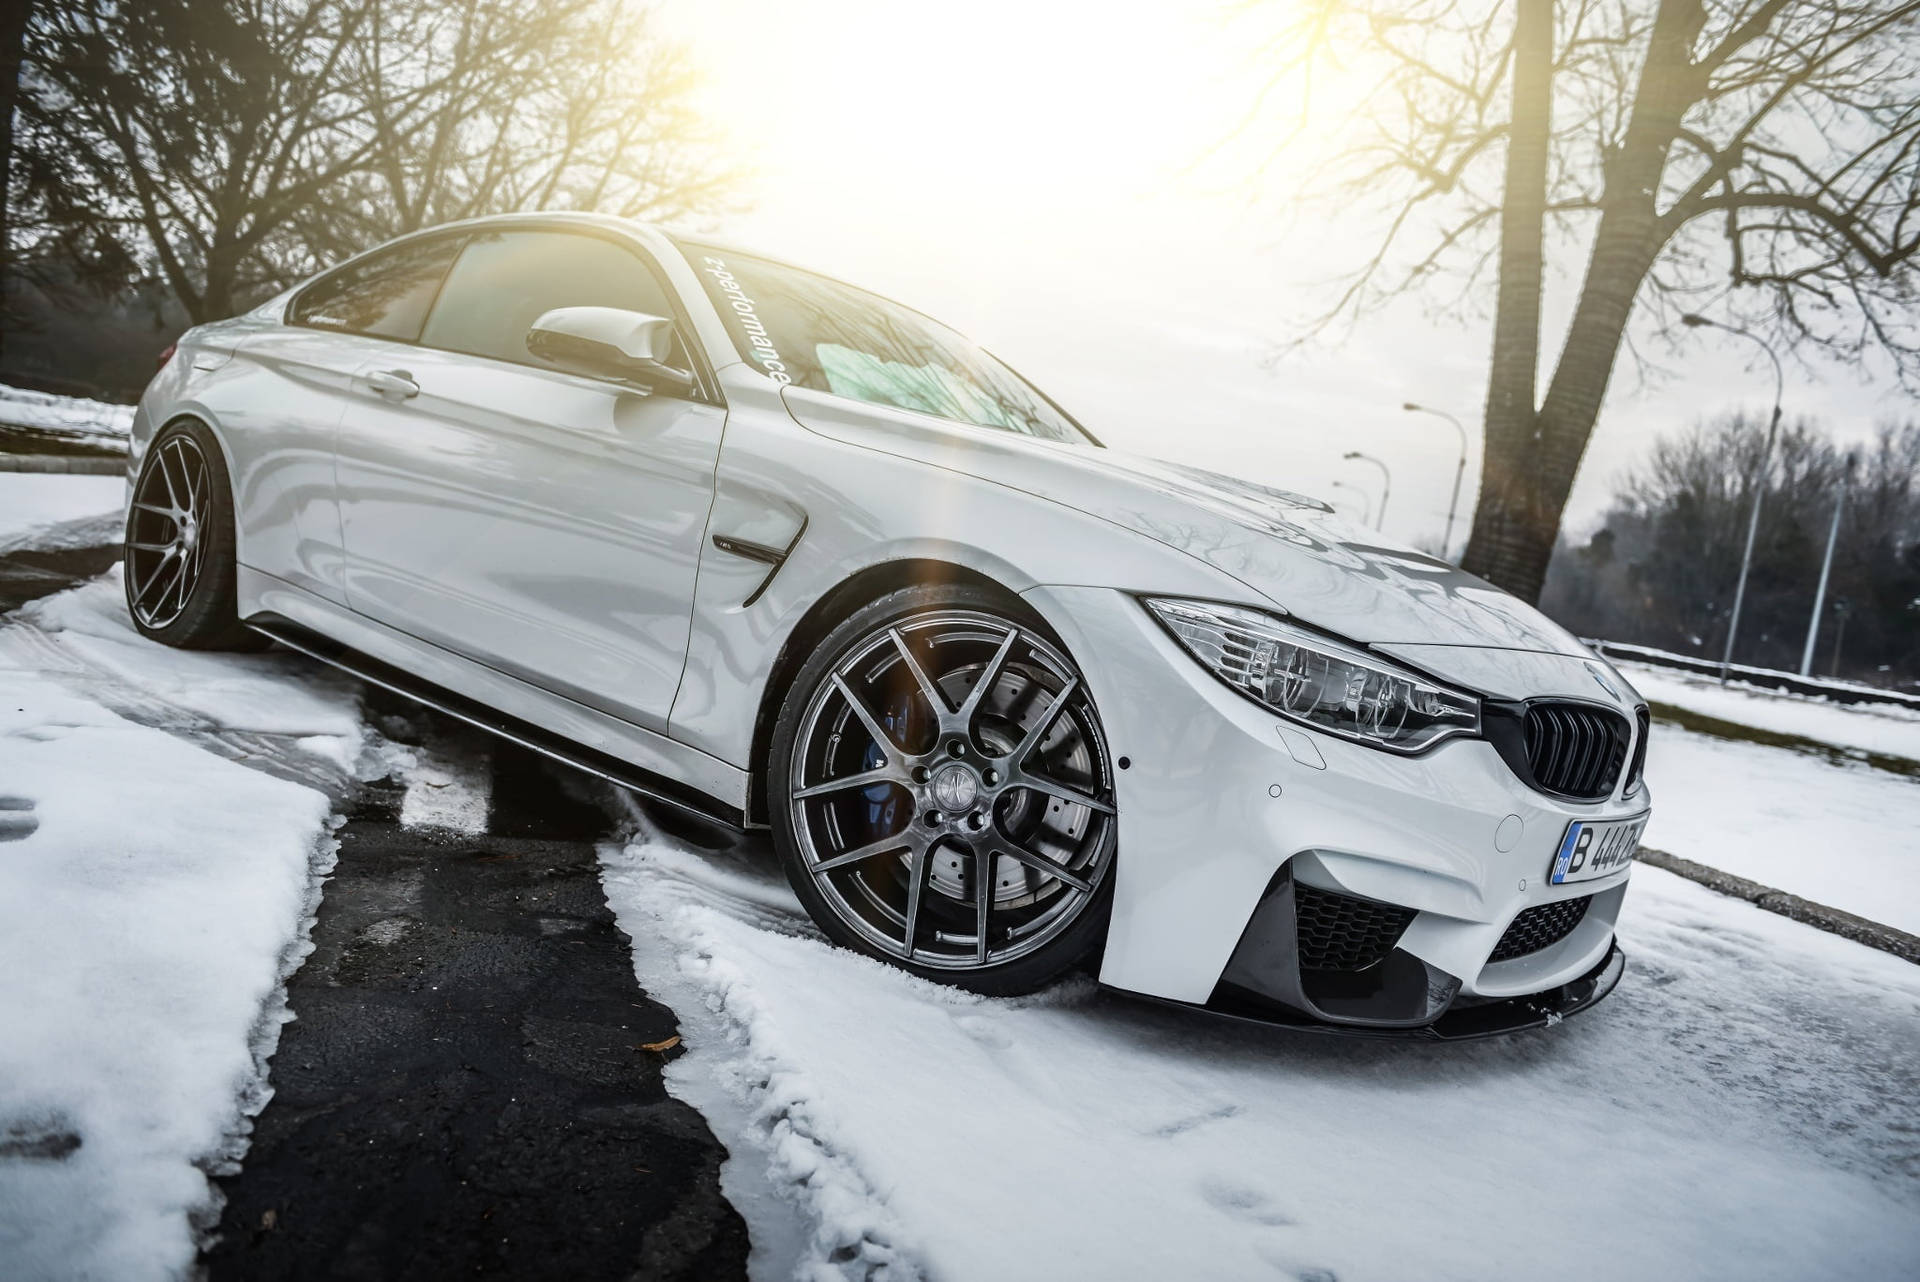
1541, 926
1575, 749
1340, 932
1643, 724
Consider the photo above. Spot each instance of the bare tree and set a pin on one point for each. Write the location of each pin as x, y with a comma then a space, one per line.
1761, 157
1661, 569
230, 145
575, 104
13, 38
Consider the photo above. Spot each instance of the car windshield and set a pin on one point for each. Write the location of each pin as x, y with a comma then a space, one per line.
808, 330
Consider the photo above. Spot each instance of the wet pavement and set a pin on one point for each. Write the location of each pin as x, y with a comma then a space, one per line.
472, 1084
26, 575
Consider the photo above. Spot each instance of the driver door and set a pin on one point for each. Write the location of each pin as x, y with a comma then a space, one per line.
544, 523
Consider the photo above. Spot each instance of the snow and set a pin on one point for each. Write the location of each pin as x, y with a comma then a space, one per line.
1624, 655
1838, 834
269, 693
153, 896
1740, 1108
72, 416
1884, 727
33, 504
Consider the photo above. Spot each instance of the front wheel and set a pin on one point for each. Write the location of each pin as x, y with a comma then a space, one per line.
942, 794
180, 567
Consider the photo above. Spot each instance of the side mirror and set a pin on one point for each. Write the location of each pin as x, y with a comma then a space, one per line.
607, 342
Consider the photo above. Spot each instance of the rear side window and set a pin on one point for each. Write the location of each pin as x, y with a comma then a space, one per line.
505, 280
386, 295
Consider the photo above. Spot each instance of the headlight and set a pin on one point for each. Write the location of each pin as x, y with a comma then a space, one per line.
1322, 683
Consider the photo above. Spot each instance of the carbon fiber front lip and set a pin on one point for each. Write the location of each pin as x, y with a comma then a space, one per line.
1460, 1023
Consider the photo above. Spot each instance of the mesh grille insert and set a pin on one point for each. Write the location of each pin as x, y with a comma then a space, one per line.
1575, 750
1339, 932
1541, 926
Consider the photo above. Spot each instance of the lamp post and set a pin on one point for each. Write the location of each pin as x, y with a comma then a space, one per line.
1694, 321
1386, 483
1366, 501
1458, 472
1826, 566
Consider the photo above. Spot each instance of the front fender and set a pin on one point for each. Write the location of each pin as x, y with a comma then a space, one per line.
862, 508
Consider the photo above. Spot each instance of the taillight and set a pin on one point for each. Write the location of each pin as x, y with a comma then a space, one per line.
167, 355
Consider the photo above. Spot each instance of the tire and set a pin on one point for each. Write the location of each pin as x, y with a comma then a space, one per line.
180, 570
998, 807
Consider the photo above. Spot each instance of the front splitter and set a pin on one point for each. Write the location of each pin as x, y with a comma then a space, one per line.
1466, 1020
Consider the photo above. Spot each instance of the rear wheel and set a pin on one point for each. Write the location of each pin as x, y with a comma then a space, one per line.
942, 792
180, 571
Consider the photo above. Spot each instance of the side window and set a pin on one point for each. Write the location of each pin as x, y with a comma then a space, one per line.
386, 295
505, 280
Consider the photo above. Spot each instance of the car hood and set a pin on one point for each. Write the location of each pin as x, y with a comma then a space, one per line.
1292, 549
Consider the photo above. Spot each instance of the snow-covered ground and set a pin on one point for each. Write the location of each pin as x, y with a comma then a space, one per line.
37, 508
70, 416
153, 895
1882, 727
1742, 1107
1838, 834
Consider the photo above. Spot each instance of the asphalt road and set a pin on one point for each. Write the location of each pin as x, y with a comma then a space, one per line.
467, 1089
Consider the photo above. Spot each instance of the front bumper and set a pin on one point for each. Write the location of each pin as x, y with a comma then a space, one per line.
1224, 808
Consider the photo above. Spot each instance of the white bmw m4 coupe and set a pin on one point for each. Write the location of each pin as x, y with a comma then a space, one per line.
777, 552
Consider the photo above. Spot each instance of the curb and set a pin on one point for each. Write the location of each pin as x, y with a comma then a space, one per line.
1832, 920
71, 464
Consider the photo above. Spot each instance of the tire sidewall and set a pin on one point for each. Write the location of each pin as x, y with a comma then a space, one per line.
1082, 938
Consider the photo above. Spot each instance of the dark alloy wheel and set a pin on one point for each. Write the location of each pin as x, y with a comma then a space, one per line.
180, 568
944, 794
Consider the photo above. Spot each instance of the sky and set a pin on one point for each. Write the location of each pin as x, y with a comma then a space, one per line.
1054, 179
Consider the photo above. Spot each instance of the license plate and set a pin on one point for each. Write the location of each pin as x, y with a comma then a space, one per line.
1591, 850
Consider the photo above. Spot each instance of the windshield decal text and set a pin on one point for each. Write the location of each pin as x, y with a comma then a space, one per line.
763, 348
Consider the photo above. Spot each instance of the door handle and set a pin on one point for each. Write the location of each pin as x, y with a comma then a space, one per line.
397, 383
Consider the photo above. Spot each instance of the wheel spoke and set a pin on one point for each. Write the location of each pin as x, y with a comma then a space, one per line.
1040, 863
1040, 783
166, 473
182, 583
891, 845
157, 510
865, 779
982, 901
916, 878
881, 738
927, 687
160, 602
988, 676
199, 555
149, 547
153, 576
1038, 731
197, 485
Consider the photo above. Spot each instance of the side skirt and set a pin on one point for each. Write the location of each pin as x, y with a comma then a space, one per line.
621, 774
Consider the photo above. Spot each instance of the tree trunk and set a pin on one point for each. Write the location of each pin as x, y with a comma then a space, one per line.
13, 40
1507, 522
1532, 460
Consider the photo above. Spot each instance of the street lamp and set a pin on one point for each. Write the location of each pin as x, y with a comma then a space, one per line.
1826, 565
1458, 472
1693, 321
1366, 501
1386, 482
